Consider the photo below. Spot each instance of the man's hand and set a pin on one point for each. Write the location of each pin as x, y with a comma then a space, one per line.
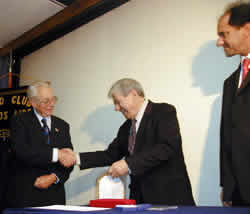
67, 157
118, 168
45, 181
225, 203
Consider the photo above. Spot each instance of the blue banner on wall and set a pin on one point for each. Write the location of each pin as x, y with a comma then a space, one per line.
12, 101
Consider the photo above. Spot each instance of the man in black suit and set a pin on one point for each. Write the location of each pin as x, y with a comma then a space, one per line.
37, 176
155, 162
234, 37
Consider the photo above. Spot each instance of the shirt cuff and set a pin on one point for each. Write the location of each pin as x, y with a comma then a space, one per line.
55, 155
78, 161
129, 171
57, 179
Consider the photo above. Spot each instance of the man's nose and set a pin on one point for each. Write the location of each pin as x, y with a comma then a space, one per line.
117, 108
220, 42
52, 104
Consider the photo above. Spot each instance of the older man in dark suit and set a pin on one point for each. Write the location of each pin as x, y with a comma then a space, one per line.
37, 177
234, 37
148, 147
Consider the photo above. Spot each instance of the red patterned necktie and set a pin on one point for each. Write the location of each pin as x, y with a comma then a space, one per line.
246, 63
132, 137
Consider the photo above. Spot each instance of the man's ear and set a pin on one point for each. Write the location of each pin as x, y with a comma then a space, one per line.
33, 102
134, 92
247, 29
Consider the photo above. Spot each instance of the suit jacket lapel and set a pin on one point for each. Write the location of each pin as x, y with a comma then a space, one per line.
38, 130
235, 85
142, 126
245, 83
52, 130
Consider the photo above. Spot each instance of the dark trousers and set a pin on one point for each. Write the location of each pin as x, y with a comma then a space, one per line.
135, 191
237, 200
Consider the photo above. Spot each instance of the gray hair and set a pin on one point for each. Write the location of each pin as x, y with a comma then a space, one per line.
32, 90
124, 86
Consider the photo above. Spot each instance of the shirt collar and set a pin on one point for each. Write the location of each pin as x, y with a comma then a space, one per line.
39, 117
141, 112
244, 57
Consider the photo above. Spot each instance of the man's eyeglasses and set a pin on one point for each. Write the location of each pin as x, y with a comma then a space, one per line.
47, 101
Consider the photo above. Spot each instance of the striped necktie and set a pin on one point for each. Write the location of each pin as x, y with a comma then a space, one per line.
46, 129
132, 137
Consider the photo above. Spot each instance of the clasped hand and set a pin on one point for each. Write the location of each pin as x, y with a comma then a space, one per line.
67, 157
45, 181
118, 168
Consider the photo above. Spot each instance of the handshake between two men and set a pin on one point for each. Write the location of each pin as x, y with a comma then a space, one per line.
69, 158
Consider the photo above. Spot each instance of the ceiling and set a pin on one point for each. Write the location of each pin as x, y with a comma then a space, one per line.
19, 16
27, 25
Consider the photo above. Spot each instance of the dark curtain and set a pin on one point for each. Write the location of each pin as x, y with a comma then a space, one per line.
4, 70
5, 154
16, 69
4, 83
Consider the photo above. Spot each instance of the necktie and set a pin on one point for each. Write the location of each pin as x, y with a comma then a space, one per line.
132, 137
246, 63
46, 129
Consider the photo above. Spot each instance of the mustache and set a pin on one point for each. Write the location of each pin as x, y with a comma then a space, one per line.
124, 110
226, 45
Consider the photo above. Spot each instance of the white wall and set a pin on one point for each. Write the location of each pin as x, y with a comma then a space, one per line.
170, 47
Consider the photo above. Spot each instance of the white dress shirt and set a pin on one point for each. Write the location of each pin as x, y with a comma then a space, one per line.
48, 120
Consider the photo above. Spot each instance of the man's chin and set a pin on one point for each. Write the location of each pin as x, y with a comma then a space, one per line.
49, 113
126, 116
228, 53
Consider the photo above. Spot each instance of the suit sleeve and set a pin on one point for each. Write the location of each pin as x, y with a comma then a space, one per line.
165, 145
115, 151
226, 175
62, 172
26, 151
223, 159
